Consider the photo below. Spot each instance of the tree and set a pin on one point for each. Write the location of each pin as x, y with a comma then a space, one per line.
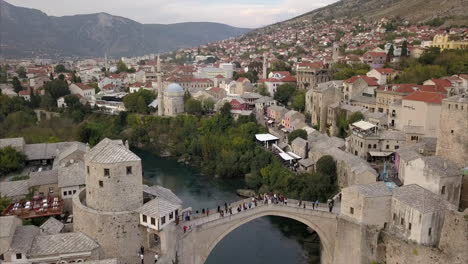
61, 77
138, 102
355, 117
57, 88
4, 202
390, 52
404, 49
21, 72
208, 105
17, 84
72, 101
280, 65
297, 133
10, 160
193, 106
262, 89
121, 67
298, 101
60, 68
141, 106
284, 93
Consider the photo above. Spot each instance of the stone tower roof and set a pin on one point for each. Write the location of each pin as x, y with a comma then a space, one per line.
419, 198
110, 151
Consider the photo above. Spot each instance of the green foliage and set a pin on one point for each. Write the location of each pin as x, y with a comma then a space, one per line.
252, 76
297, 133
284, 93
342, 122
11, 160
436, 22
298, 101
60, 68
193, 106
19, 178
21, 72
355, 117
343, 71
16, 85
280, 65
57, 89
4, 202
420, 73
138, 102
262, 89
404, 49
121, 67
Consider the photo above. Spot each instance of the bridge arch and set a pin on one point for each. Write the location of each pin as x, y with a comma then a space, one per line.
204, 238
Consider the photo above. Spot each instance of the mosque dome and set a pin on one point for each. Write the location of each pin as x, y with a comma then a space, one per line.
174, 88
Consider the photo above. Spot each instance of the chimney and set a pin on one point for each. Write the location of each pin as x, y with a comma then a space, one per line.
126, 144
87, 147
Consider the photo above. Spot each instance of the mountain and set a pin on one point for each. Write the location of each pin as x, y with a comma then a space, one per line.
455, 12
26, 32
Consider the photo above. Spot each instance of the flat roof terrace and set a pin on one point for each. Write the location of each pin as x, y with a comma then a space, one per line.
40, 207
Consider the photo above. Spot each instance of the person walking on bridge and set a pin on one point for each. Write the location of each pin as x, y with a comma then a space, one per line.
316, 204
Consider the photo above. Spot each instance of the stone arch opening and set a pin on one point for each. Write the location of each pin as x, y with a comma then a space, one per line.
321, 228
268, 239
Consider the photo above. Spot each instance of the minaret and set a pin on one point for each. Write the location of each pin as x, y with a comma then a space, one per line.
160, 88
265, 66
105, 61
336, 52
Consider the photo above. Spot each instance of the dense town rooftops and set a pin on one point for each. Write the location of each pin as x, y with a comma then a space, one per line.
110, 151
51, 226
23, 238
369, 80
377, 189
62, 243
14, 188
43, 177
72, 175
8, 224
419, 198
441, 166
45, 151
427, 97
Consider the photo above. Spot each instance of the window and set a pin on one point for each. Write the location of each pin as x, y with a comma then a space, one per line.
87, 169
129, 170
106, 172
369, 146
69, 192
101, 184
394, 217
388, 146
375, 146
443, 190
153, 221
171, 215
351, 210
19, 256
430, 231
402, 221
397, 147
409, 226
163, 220
64, 193
74, 191
145, 219
451, 131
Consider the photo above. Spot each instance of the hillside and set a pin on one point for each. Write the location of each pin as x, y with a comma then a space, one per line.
415, 11
30, 32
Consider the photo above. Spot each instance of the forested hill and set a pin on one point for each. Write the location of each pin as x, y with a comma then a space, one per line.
454, 12
29, 33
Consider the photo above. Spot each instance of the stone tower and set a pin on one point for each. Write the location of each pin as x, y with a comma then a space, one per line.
160, 88
336, 52
265, 66
105, 209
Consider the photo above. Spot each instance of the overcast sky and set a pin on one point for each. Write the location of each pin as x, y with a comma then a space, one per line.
240, 13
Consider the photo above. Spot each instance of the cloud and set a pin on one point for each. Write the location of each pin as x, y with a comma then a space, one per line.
241, 13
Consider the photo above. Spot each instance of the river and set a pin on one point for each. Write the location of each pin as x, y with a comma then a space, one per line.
272, 240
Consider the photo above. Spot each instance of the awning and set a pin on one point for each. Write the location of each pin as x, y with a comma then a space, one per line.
265, 137
363, 125
286, 157
270, 121
294, 155
284, 130
380, 154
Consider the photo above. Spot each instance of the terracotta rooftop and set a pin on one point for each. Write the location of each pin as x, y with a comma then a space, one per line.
428, 97
369, 80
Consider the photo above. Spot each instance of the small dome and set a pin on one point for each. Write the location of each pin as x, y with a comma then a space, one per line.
174, 88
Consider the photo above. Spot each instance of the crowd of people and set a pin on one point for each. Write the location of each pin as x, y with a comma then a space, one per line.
266, 198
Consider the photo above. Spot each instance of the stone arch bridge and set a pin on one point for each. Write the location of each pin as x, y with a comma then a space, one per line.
195, 246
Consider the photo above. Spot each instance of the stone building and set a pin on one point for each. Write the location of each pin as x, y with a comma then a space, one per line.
420, 113
309, 74
452, 139
367, 203
105, 209
173, 101
357, 86
435, 174
240, 86
319, 98
442, 41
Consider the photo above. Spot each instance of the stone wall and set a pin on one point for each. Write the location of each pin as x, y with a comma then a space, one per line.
117, 233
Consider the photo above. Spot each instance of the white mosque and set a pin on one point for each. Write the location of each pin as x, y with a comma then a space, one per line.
170, 98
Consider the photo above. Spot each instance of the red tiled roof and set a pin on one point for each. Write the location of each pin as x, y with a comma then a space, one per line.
219, 76
375, 54
108, 87
442, 83
369, 80
427, 97
84, 86
385, 70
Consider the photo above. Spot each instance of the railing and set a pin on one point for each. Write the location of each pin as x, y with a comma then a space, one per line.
213, 214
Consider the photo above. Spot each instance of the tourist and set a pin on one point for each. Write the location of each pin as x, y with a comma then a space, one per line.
142, 257
225, 206
317, 204
207, 212
219, 209
285, 201
185, 228
142, 250
156, 258
313, 206
203, 211
304, 205
230, 210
